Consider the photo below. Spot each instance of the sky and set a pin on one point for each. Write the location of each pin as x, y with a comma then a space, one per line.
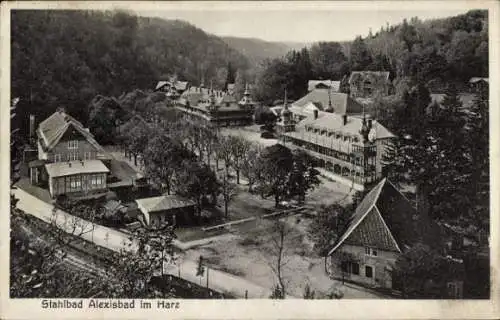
292, 23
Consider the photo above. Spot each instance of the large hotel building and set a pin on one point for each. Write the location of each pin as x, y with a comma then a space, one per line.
333, 128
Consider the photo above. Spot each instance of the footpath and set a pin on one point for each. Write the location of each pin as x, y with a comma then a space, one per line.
116, 241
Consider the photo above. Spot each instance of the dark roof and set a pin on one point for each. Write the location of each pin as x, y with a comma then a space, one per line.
52, 129
375, 75
341, 102
385, 220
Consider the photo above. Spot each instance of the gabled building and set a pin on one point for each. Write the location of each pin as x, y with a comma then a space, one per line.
173, 88
476, 84
325, 100
165, 209
383, 226
347, 144
69, 158
217, 107
368, 84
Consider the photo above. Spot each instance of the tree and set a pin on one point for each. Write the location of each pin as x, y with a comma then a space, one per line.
231, 73
328, 60
252, 166
228, 191
421, 272
140, 259
225, 153
327, 227
136, 139
197, 181
104, 117
303, 177
239, 148
278, 242
277, 163
163, 158
477, 140
360, 57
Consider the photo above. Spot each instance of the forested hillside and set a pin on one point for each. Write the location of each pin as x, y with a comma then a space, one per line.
257, 50
65, 58
435, 52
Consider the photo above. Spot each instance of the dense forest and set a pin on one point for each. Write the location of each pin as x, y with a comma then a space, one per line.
435, 52
65, 58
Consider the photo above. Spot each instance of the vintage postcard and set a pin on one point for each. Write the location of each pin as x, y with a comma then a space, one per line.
230, 160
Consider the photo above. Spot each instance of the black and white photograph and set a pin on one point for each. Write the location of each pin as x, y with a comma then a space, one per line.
246, 151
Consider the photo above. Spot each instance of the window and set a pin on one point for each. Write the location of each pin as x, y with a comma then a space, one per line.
349, 267
355, 268
87, 155
72, 156
74, 183
369, 272
370, 252
57, 157
96, 181
73, 144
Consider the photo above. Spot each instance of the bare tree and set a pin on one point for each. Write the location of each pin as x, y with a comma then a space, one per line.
225, 153
278, 245
228, 191
251, 165
239, 148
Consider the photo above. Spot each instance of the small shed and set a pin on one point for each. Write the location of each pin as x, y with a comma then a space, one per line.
164, 209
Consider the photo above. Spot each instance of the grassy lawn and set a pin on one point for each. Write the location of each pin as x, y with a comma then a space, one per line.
253, 254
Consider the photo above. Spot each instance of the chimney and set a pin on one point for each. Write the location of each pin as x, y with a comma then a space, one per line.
81, 161
61, 110
315, 114
32, 126
344, 117
370, 123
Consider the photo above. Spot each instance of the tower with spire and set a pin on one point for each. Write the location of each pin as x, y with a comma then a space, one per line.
366, 151
286, 124
246, 102
212, 107
330, 107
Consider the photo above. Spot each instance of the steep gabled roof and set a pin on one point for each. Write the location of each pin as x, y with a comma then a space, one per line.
385, 220
341, 102
51, 130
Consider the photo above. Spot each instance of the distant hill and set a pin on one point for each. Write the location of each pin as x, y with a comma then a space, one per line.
257, 50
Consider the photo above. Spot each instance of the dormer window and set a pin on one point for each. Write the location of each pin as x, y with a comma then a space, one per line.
370, 252
73, 144
346, 138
